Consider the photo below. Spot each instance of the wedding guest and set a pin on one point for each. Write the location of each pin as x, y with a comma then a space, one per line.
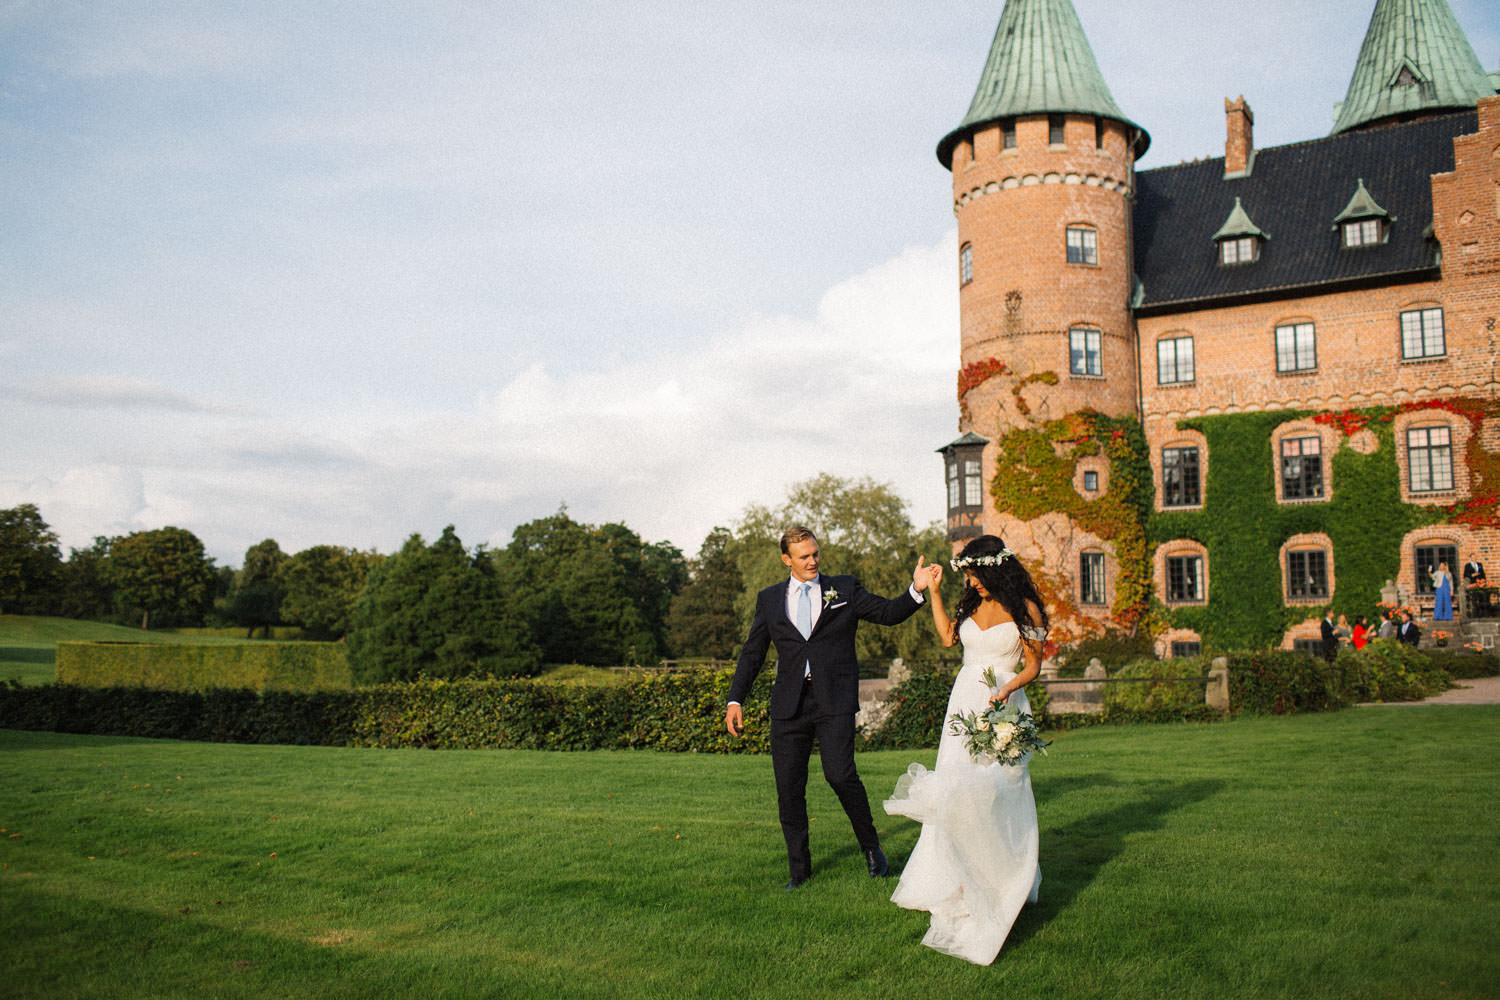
1361, 633
1474, 573
1442, 594
1387, 625
1330, 635
1409, 633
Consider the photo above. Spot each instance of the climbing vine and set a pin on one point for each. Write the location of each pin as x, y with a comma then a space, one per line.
1241, 523
1038, 479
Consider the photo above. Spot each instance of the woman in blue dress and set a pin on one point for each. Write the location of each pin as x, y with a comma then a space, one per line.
1442, 599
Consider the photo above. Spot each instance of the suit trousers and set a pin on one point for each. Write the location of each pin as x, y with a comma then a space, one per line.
791, 748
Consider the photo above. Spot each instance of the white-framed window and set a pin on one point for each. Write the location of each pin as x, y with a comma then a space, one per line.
1296, 347
954, 484
1179, 477
1091, 481
1174, 360
1007, 133
1083, 245
972, 480
1362, 233
1085, 351
1239, 250
1422, 333
1429, 459
1306, 574
1301, 468
966, 263
1091, 578
1185, 578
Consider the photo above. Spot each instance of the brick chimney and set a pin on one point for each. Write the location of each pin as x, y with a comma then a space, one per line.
1239, 145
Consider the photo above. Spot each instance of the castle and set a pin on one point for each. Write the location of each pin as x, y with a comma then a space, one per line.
1214, 399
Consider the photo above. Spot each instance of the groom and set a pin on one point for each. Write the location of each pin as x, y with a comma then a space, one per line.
811, 619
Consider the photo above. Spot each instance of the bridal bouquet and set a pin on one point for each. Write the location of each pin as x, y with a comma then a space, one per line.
1000, 732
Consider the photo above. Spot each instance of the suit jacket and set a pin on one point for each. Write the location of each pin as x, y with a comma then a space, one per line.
1409, 633
829, 650
1330, 636
1473, 570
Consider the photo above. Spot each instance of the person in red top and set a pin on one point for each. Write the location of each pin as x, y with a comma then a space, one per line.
1361, 633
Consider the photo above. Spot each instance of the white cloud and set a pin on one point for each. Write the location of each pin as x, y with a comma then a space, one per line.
671, 446
111, 391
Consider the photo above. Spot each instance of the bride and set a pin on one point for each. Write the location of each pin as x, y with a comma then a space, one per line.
975, 862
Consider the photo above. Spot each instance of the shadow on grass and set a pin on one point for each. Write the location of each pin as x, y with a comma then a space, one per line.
1073, 855
27, 654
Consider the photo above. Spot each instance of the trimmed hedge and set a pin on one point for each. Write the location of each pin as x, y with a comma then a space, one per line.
684, 711
259, 666
678, 711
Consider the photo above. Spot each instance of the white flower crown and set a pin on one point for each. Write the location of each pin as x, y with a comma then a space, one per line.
964, 562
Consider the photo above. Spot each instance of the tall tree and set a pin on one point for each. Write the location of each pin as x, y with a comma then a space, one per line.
164, 574
863, 528
30, 562
87, 591
321, 585
255, 601
436, 611
702, 620
595, 595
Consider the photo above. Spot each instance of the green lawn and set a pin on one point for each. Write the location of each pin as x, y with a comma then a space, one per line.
1343, 855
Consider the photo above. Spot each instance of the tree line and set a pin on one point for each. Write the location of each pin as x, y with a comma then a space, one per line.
561, 591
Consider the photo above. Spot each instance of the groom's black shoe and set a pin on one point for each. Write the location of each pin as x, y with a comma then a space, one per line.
797, 882
875, 860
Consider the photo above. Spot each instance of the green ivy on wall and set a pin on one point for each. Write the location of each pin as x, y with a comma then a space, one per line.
1037, 478
1243, 526
1241, 523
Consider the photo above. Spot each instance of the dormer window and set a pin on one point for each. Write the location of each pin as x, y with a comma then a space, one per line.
1365, 232
1238, 250
1362, 223
1239, 239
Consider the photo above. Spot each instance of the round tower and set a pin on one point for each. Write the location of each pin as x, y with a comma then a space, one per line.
1043, 169
1043, 176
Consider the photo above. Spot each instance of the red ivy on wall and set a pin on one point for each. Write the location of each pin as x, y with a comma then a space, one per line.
1482, 508
974, 374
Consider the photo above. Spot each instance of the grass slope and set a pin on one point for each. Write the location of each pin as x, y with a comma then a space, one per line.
28, 643
1344, 855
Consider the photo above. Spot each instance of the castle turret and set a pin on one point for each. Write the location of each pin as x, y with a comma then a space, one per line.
1043, 173
1415, 61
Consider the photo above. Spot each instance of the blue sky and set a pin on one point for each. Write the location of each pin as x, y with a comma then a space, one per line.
340, 272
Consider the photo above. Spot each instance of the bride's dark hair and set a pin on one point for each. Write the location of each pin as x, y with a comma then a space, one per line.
1007, 582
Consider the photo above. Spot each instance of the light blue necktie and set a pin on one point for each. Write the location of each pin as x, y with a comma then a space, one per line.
804, 611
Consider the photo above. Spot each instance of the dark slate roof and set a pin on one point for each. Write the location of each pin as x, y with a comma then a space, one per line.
1293, 193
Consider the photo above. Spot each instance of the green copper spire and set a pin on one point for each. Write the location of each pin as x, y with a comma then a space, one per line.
1415, 60
1039, 63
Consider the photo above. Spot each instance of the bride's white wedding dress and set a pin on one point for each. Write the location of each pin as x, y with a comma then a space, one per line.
975, 863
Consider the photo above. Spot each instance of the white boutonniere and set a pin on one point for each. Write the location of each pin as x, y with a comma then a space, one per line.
829, 596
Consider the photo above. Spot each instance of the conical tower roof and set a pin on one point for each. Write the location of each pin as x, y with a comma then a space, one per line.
1415, 59
1039, 63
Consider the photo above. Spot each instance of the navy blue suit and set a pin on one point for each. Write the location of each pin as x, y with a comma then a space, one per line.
822, 707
